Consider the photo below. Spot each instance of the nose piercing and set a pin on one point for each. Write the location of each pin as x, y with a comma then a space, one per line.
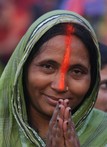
67, 88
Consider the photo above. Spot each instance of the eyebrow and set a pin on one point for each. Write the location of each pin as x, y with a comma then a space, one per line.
80, 66
49, 61
103, 81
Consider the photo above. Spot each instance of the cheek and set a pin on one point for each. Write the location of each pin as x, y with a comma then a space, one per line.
36, 80
102, 94
78, 91
80, 87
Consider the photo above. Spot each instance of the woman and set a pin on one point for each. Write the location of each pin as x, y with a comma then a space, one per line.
101, 102
49, 87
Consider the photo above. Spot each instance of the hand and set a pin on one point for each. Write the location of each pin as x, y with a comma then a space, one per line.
70, 136
55, 136
61, 131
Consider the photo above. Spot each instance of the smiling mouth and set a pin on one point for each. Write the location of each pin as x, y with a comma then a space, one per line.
51, 100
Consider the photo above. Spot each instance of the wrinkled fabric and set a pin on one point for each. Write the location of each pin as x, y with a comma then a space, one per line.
91, 124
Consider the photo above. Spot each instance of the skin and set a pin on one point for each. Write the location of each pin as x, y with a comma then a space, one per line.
101, 102
50, 106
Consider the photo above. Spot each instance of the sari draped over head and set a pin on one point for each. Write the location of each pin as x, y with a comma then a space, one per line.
91, 124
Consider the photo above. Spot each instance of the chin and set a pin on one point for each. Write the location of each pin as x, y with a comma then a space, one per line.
48, 112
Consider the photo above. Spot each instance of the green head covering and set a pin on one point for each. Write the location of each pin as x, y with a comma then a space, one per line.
13, 116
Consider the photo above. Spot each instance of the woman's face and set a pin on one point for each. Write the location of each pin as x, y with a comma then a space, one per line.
101, 102
62, 62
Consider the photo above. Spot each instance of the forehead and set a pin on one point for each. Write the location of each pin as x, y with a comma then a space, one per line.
63, 41
56, 47
104, 71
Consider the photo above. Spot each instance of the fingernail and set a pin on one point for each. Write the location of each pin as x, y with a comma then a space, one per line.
67, 123
68, 103
59, 107
57, 120
59, 102
70, 110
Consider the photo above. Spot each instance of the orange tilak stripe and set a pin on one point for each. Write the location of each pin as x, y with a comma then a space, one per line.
65, 64
66, 59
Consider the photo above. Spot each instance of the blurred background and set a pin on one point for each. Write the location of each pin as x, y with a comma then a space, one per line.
17, 15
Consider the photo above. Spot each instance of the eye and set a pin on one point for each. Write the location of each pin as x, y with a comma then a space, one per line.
47, 68
78, 72
103, 85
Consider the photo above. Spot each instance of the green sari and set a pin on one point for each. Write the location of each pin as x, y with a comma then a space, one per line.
91, 124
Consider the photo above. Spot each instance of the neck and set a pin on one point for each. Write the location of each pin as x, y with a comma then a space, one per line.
38, 122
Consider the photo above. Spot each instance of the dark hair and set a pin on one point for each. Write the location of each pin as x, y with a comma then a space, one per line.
103, 51
79, 31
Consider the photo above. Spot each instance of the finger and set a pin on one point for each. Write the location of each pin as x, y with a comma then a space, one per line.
61, 111
54, 116
55, 132
58, 139
69, 129
67, 114
61, 101
66, 102
49, 140
70, 135
52, 133
59, 129
68, 122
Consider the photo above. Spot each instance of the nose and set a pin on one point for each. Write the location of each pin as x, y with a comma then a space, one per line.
59, 82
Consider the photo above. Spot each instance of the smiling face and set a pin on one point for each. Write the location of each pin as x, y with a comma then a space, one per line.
52, 67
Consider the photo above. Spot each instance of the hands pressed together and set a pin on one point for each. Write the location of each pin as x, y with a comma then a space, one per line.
61, 131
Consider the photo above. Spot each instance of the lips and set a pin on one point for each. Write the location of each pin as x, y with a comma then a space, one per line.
51, 99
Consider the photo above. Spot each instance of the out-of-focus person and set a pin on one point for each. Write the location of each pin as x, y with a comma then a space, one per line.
14, 21
15, 18
95, 11
101, 102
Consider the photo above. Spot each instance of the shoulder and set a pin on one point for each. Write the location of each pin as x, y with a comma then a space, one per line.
98, 119
98, 113
95, 132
